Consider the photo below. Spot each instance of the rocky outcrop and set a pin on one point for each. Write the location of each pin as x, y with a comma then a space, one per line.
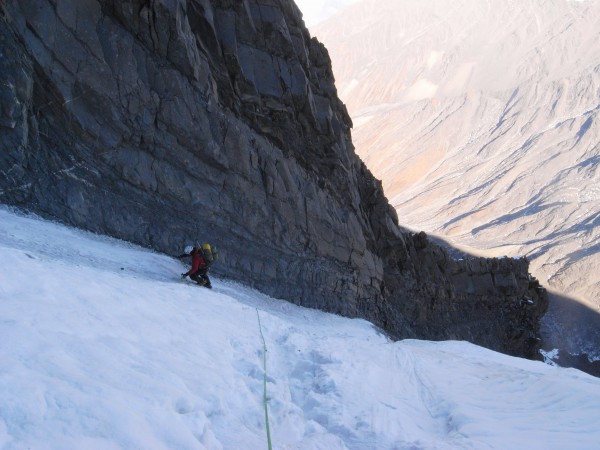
159, 121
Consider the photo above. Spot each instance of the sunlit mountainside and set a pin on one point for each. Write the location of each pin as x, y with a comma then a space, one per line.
482, 120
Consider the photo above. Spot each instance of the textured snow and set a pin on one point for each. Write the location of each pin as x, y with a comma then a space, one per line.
104, 347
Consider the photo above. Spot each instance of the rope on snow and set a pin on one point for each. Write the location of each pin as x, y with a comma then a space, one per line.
265, 382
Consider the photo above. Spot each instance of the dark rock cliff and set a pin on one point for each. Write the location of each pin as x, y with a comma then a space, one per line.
159, 121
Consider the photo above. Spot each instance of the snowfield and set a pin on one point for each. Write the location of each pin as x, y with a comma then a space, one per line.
103, 347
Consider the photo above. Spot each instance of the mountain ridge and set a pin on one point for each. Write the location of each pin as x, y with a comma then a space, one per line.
481, 118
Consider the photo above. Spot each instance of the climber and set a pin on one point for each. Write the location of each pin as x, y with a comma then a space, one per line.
199, 269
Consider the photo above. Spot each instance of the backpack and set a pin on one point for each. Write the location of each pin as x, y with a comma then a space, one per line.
209, 253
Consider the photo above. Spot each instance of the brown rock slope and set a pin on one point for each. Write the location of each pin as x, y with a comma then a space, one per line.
482, 120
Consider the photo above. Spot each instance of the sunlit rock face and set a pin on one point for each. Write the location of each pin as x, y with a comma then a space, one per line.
482, 120
167, 121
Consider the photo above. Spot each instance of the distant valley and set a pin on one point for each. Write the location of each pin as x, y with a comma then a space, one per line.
482, 120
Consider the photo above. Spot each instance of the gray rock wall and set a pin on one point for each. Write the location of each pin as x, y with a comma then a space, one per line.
159, 121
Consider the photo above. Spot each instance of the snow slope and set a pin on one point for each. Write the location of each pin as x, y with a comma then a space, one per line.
104, 347
482, 118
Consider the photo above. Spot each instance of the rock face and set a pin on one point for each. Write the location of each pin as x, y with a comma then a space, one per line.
159, 121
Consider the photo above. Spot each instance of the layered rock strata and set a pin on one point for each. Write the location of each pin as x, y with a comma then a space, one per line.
161, 121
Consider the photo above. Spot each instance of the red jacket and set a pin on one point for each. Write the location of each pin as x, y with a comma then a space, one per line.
198, 263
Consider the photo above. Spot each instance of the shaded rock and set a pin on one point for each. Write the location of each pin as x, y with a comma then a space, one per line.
166, 121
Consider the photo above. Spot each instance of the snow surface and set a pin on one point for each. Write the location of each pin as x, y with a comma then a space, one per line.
104, 347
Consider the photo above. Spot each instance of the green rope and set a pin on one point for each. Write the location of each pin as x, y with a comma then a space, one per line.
265, 382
